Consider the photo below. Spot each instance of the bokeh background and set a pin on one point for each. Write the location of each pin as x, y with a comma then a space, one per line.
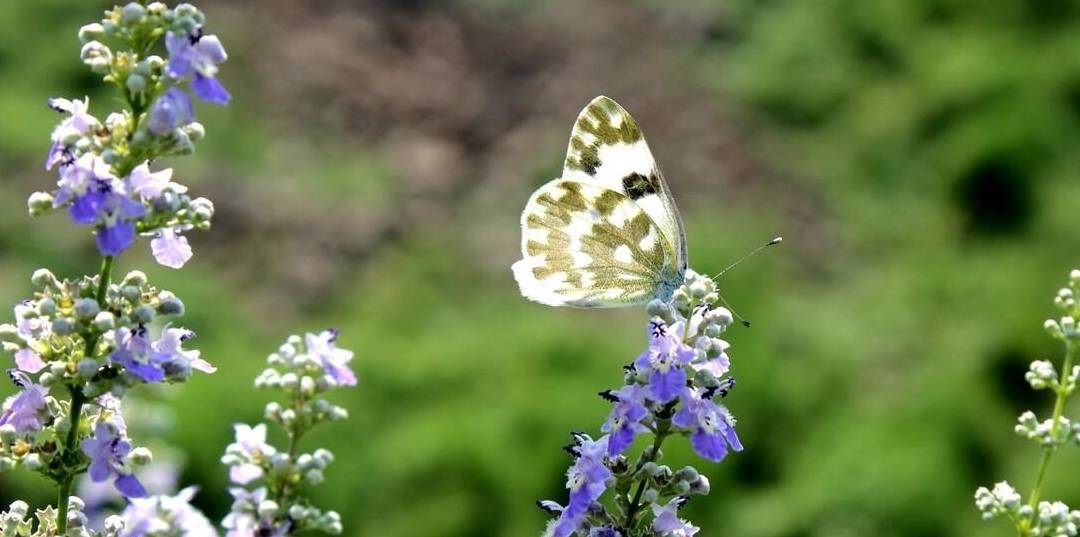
920, 158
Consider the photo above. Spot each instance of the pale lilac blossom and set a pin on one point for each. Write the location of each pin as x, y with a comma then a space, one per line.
170, 249
27, 410
334, 360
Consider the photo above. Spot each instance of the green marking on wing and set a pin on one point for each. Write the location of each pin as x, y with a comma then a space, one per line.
598, 119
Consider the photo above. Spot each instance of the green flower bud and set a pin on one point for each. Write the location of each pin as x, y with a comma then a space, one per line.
7, 434
39, 203
650, 495
136, 83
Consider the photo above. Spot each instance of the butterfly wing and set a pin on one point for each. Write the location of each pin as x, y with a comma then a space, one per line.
585, 245
608, 149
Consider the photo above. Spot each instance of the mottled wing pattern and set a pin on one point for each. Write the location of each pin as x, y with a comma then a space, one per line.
586, 245
607, 148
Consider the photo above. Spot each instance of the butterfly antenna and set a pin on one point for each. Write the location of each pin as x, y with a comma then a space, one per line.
745, 322
775, 240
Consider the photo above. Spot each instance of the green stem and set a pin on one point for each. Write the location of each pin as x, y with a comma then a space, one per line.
1048, 451
75, 410
635, 504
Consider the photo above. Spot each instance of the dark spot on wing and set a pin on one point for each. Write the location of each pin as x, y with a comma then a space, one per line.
638, 186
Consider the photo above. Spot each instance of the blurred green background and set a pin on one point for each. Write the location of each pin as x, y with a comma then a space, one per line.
920, 158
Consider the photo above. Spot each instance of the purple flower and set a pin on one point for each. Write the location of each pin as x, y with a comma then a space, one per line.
198, 55
666, 520
334, 360
152, 361
27, 410
624, 422
665, 360
107, 451
149, 185
251, 442
170, 249
32, 328
133, 351
167, 350
170, 111
711, 427
78, 123
586, 480
162, 514
97, 197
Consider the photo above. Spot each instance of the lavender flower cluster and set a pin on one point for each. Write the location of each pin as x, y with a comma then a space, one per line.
79, 345
1035, 517
267, 500
671, 389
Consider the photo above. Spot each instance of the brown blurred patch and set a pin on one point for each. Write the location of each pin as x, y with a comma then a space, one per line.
453, 98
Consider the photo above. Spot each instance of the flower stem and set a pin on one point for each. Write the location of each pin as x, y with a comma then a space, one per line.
75, 410
1048, 451
635, 504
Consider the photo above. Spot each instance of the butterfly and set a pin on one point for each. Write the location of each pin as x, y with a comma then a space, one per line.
607, 233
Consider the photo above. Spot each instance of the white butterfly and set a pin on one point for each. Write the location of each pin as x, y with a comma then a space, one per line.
606, 233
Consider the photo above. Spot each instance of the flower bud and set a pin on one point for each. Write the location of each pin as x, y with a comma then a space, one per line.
104, 321
195, 131
132, 13
9, 333
1053, 329
135, 277
130, 293
143, 314
136, 83
87, 368
141, 456
39, 203
313, 476
97, 56
86, 308
650, 495
170, 305
202, 209
307, 385
64, 325
44, 278
289, 381
91, 32
114, 524
32, 461
267, 508
46, 306
7, 433
58, 368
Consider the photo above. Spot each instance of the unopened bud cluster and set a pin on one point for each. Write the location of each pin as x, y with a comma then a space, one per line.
18, 521
1045, 518
268, 496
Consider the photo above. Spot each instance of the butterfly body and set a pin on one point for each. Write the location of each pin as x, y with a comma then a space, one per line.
607, 233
